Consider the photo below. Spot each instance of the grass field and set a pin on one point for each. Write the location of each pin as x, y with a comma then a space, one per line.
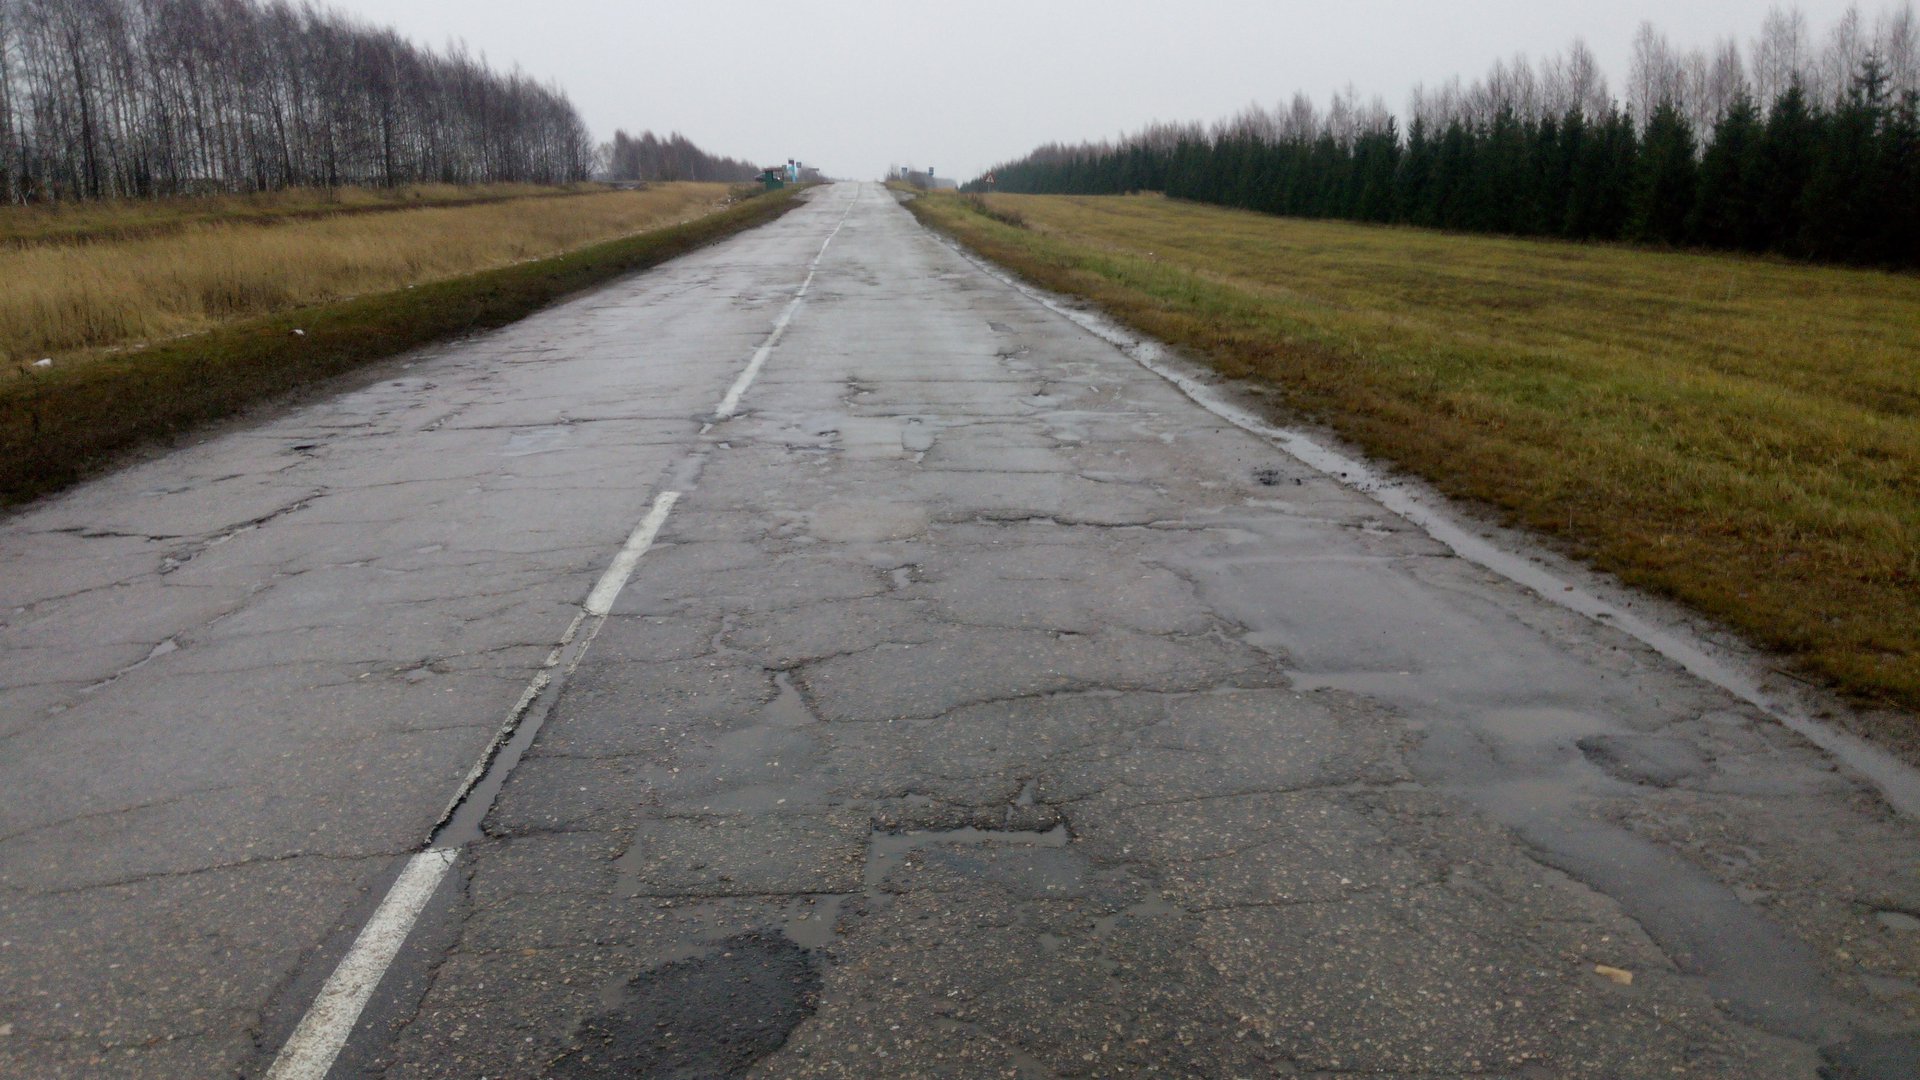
130, 273
114, 219
1739, 434
60, 423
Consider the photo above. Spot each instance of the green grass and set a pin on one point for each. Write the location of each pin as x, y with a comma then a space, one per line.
59, 424
1740, 434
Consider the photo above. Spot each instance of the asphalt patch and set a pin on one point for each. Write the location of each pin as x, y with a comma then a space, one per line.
714, 1015
1872, 1057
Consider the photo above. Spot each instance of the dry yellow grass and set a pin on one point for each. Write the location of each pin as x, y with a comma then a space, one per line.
72, 300
107, 219
60, 423
1741, 434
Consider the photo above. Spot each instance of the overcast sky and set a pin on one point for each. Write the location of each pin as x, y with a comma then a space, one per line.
857, 85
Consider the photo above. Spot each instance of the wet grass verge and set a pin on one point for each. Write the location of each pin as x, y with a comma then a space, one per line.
58, 425
1741, 435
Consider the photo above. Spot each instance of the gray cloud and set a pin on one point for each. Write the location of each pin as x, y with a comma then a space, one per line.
858, 84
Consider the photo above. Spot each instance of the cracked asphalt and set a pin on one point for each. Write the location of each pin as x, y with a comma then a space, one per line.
984, 707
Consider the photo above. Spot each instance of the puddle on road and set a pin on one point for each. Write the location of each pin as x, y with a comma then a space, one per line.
917, 436
867, 522
1760, 974
888, 848
1539, 726
1898, 920
811, 919
787, 709
1155, 907
538, 440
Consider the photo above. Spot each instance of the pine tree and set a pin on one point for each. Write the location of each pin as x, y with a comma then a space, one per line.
1786, 162
1414, 176
1839, 204
1838, 208
1603, 174
1839, 183
1501, 174
1727, 206
1623, 163
1899, 203
1580, 150
1548, 180
1377, 163
1668, 175
1328, 177
1450, 192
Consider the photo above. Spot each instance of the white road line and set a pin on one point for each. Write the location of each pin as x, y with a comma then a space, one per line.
309, 1054
731, 403
324, 1030
600, 600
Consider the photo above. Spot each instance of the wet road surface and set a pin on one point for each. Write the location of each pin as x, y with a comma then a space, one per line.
978, 705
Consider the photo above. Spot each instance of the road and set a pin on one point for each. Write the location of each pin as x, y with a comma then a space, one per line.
976, 704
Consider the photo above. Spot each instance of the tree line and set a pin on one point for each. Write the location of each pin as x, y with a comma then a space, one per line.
1813, 153
128, 98
651, 157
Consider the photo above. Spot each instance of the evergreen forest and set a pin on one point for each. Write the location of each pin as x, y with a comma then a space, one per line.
1804, 149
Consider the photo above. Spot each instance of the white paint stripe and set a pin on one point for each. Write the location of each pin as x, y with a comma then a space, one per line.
600, 600
731, 403
309, 1054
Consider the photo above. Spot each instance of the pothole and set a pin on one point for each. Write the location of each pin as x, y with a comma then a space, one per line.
1898, 920
787, 709
1150, 908
888, 849
811, 919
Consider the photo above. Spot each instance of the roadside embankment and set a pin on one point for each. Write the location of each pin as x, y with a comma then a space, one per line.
1738, 434
59, 423
75, 300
